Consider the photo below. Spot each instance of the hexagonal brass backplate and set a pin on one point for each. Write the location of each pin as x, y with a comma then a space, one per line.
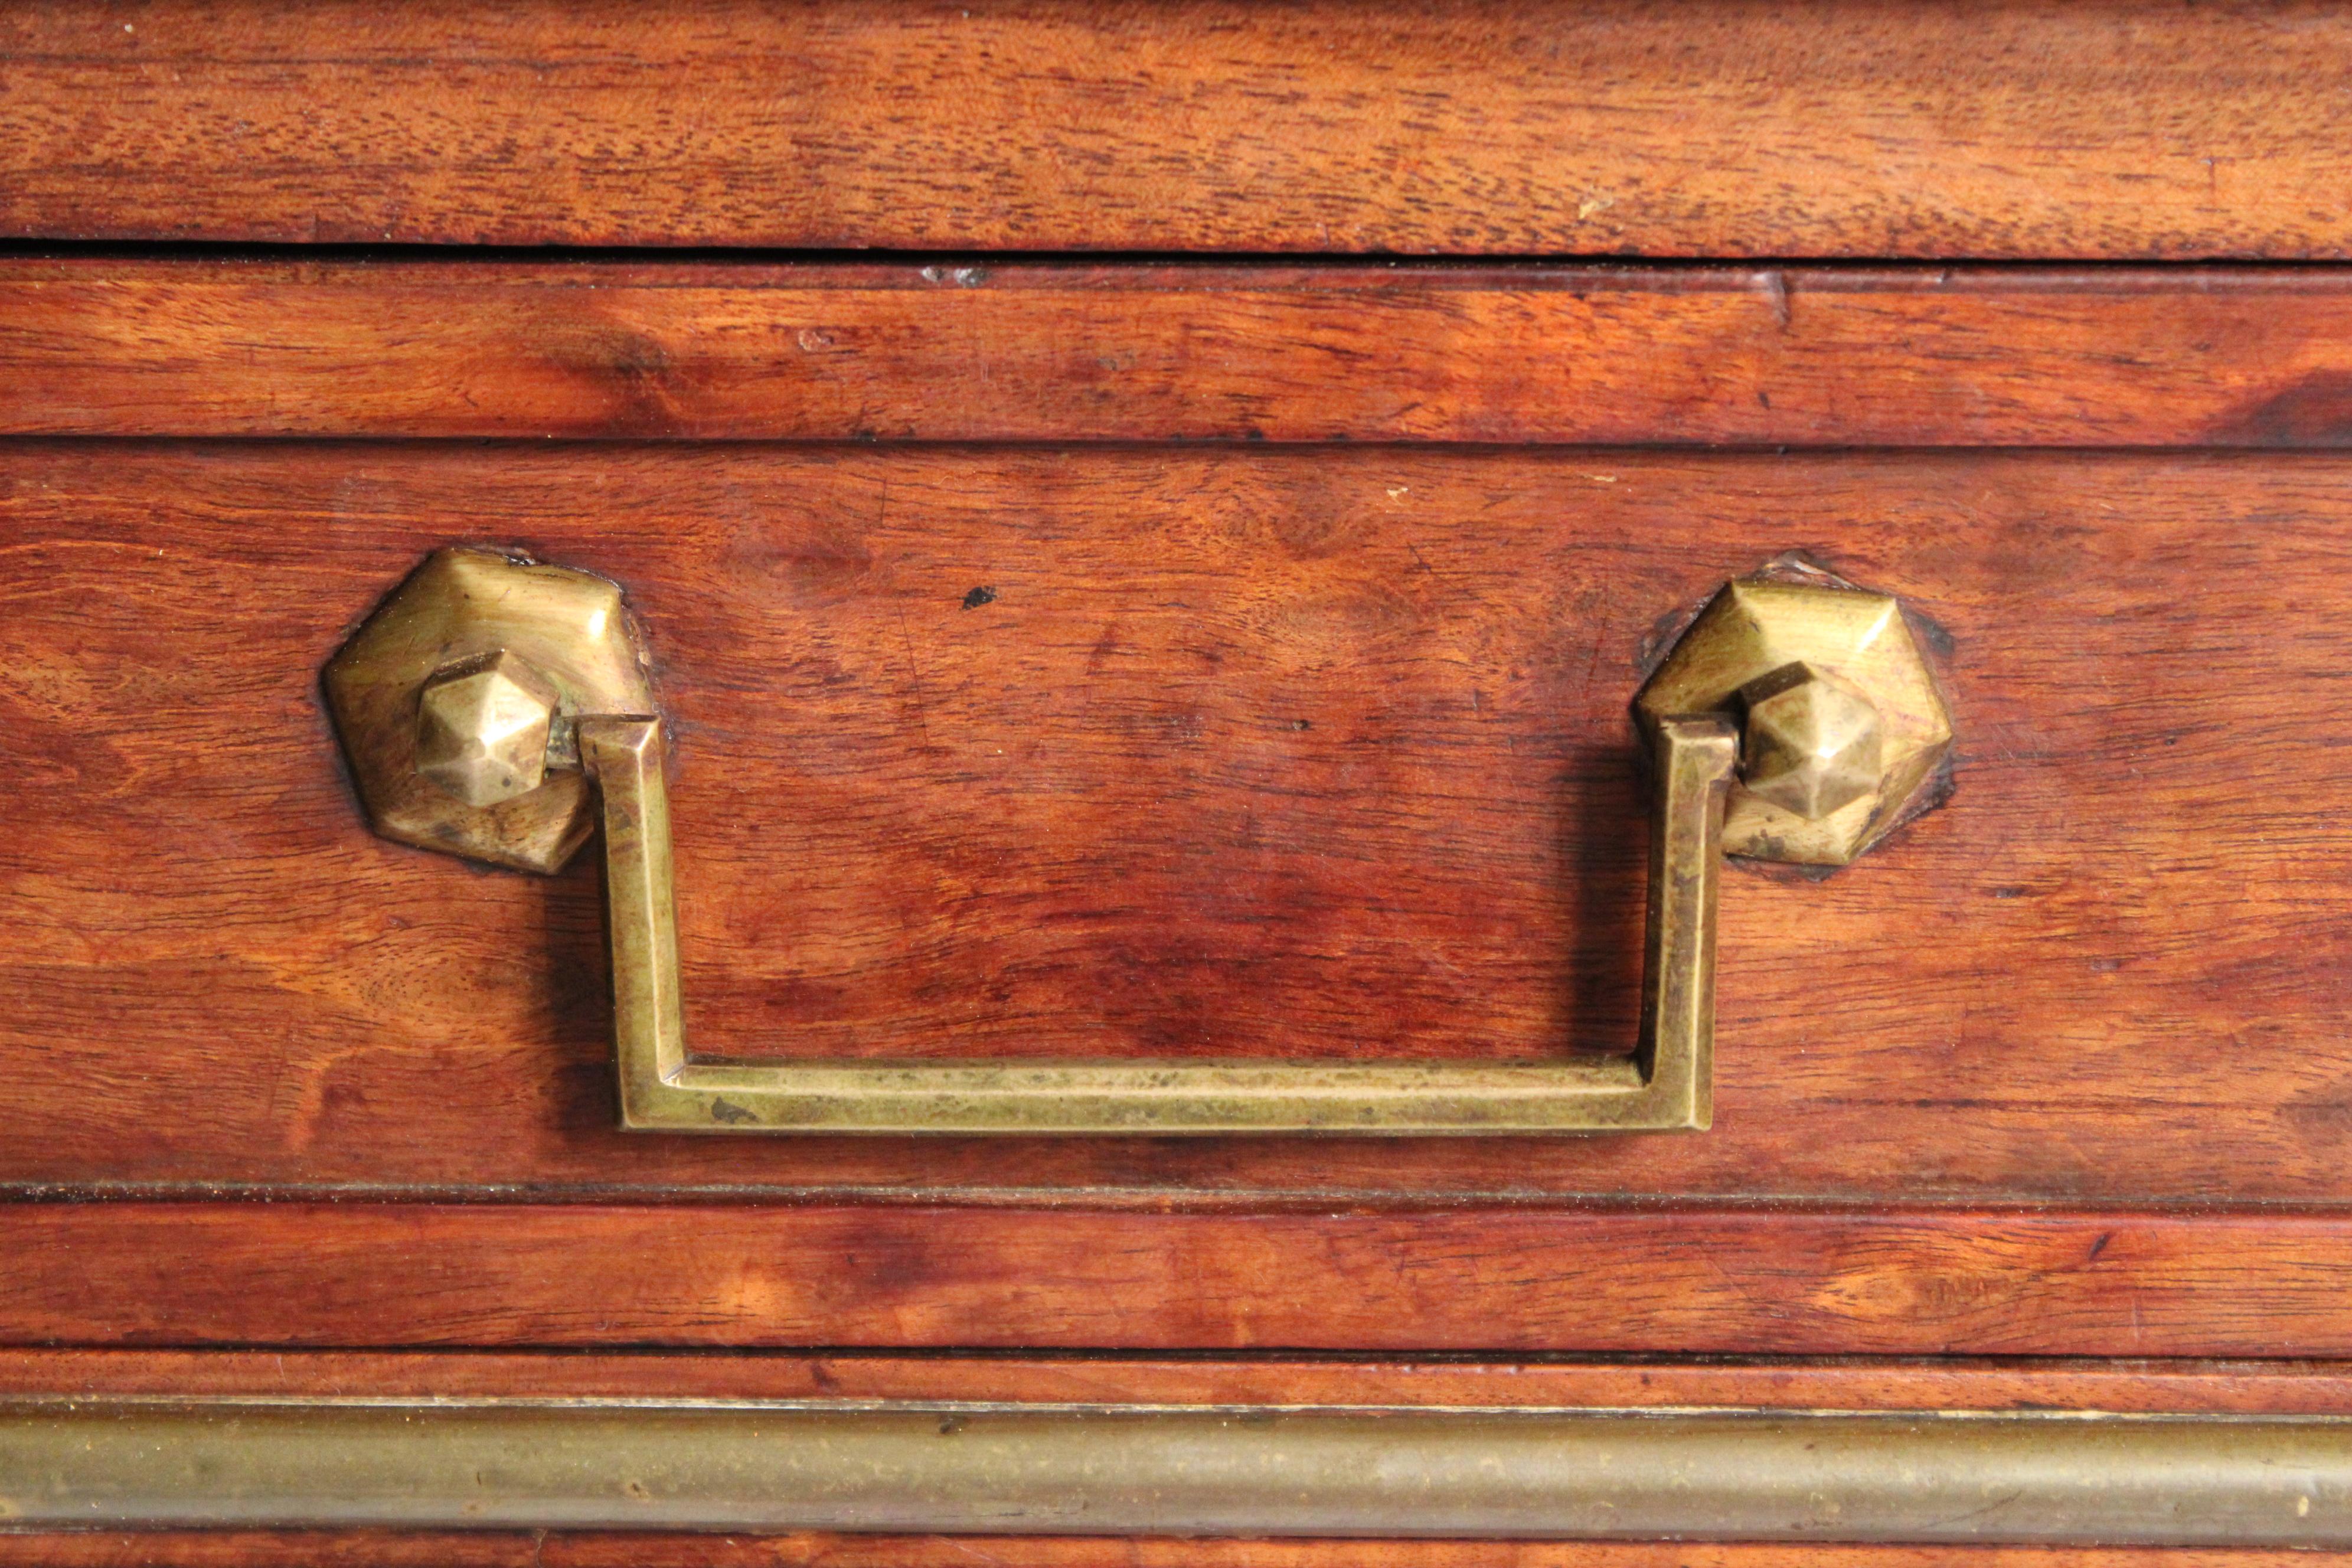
465, 604
1756, 628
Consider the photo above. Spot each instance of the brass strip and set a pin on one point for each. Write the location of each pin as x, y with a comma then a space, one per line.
1664, 1084
1911, 1477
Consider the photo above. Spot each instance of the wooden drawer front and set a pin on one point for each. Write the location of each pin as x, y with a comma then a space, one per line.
1282, 755
1053, 741
1198, 1004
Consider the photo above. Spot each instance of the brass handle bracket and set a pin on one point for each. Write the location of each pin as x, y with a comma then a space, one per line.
498, 709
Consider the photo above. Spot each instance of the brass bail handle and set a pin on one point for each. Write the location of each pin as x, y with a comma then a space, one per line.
498, 709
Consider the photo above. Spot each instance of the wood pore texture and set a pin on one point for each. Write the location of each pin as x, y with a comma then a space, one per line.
980, 350
2108, 129
1274, 753
1478, 1280
2124, 1386
1218, 644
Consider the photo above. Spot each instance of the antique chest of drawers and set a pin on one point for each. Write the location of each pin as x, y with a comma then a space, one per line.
1268, 786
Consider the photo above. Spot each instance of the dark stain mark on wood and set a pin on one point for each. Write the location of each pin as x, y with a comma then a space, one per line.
2315, 411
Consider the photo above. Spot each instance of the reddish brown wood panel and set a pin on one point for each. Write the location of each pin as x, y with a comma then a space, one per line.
2140, 1386
1751, 1281
973, 351
558, 1549
1278, 753
2101, 129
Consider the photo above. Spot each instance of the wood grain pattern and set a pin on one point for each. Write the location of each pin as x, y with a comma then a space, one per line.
1272, 753
1095, 747
1494, 1282
2136, 1385
566, 1549
2101, 128
978, 351
1497, 1281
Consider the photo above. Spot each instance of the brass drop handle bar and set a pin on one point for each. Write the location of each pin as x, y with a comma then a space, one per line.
489, 694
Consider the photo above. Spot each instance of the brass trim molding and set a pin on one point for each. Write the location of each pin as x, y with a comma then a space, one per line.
2023, 1477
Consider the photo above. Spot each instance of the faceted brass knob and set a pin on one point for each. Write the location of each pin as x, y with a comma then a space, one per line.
482, 727
1844, 734
1812, 742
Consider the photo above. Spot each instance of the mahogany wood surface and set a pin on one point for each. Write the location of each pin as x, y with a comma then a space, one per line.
980, 350
2117, 1386
566, 1549
1281, 753
1496, 1280
1220, 647
2111, 129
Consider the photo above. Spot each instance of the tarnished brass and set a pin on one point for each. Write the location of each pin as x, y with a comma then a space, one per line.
1812, 744
1845, 729
1664, 1085
483, 655
460, 608
482, 729
118, 1463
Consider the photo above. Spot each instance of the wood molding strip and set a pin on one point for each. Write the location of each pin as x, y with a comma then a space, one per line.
1822, 357
1911, 1477
2100, 130
2117, 1386
1692, 1281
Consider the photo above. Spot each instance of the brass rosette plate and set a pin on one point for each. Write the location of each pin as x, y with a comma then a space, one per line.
472, 640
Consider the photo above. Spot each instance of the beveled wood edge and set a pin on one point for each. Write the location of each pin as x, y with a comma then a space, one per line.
1927, 1477
1090, 351
2114, 1386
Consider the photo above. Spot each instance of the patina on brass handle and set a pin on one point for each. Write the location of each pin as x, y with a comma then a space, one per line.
1664, 1084
489, 692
